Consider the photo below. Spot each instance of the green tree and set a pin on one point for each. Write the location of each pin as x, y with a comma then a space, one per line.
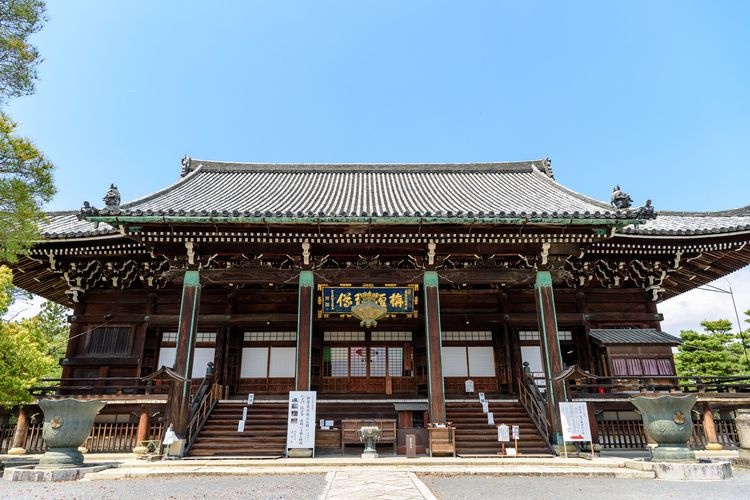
25, 174
19, 19
26, 348
715, 352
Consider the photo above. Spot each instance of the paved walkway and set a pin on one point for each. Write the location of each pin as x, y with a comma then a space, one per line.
377, 485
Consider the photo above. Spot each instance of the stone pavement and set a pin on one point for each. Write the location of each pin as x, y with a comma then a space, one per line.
359, 484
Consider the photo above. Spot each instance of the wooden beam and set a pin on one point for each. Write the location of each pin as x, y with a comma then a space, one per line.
478, 276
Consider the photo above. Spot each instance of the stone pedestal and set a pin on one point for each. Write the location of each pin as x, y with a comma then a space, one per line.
742, 424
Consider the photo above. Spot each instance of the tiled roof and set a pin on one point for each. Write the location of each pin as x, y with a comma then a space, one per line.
608, 336
67, 225
693, 223
487, 191
519, 189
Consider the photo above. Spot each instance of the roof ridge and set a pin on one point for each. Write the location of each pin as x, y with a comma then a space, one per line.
191, 165
731, 212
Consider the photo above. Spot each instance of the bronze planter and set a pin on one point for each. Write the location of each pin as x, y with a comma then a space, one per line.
67, 424
667, 420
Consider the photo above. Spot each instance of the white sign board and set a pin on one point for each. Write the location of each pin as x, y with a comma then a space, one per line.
574, 418
241, 426
481, 396
301, 421
516, 432
503, 433
485, 406
469, 386
250, 398
490, 418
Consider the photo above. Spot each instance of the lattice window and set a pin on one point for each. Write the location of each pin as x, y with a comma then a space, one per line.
270, 336
169, 337
531, 335
344, 336
377, 362
642, 366
395, 361
206, 337
116, 340
467, 336
391, 336
358, 361
335, 362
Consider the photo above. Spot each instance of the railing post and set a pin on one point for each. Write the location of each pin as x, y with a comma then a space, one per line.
144, 424
709, 428
22, 430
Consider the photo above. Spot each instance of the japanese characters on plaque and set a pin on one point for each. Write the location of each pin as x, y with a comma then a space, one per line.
339, 300
574, 418
301, 422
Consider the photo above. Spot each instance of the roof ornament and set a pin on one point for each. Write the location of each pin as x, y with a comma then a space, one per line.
86, 211
547, 163
646, 211
620, 200
112, 198
186, 161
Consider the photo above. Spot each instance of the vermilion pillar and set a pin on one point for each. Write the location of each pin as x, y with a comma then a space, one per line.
709, 428
22, 429
550, 349
434, 347
304, 330
187, 327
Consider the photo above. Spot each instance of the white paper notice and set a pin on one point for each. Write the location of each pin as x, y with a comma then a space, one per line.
250, 398
485, 406
301, 422
503, 433
490, 418
574, 418
244, 413
516, 432
241, 426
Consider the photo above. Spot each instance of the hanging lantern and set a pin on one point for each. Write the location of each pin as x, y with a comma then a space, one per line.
368, 310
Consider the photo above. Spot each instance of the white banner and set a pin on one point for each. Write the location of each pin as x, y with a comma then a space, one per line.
574, 418
301, 422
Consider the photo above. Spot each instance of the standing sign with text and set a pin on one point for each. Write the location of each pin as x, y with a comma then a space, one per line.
574, 418
301, 421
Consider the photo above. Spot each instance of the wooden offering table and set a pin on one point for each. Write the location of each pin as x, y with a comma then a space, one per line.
328, 438
442, 440
350, 431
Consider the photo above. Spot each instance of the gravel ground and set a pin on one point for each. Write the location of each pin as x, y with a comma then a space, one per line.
295, 487
528, 488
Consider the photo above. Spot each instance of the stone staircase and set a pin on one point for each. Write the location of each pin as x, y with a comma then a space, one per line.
475, 437
265, 431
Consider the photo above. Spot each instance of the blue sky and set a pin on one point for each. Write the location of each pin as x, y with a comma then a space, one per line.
653, 96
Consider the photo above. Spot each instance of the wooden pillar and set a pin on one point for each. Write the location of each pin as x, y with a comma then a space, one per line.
144, 424
179, 408
18, 446
304, 330
434, 348
550, 347
709, 428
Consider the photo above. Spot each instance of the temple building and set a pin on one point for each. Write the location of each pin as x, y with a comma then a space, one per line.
397, 292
